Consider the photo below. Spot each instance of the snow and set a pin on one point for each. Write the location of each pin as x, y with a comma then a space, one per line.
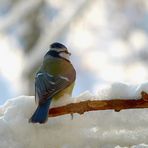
98, 129
122, 91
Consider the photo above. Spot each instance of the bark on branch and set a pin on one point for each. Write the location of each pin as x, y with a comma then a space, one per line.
85, 106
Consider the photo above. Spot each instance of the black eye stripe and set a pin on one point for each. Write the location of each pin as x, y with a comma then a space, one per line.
64, 51
53, 53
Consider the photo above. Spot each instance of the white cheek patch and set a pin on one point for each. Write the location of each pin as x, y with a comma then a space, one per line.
64, 55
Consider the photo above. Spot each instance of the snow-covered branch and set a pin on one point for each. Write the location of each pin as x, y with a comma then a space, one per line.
93, 105
128, 127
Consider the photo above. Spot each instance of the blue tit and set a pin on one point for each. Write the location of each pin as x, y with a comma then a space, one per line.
55, 78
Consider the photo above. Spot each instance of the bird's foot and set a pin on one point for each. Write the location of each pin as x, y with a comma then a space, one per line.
71, 116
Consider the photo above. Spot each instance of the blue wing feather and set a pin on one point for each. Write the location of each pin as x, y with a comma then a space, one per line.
46, 86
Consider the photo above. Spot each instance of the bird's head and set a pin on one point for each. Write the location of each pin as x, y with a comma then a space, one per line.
58, 50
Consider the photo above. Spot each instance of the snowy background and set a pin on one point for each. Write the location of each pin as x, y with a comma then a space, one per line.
108, 42
107, 39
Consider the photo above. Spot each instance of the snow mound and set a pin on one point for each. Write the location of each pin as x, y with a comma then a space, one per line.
100, 129
122, 91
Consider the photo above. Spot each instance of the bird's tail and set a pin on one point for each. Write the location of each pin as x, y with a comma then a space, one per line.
41, 113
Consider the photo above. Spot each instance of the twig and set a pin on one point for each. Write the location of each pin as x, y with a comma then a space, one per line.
85, 106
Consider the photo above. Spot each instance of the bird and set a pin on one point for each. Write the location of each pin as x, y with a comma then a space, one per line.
55, 77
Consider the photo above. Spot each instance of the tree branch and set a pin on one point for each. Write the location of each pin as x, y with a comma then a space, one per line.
85, 106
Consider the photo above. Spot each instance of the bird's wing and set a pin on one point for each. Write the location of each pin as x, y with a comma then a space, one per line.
47, 85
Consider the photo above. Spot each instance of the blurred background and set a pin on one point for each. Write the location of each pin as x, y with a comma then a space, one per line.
108, 41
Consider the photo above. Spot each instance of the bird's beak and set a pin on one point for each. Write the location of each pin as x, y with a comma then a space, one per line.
68, 53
